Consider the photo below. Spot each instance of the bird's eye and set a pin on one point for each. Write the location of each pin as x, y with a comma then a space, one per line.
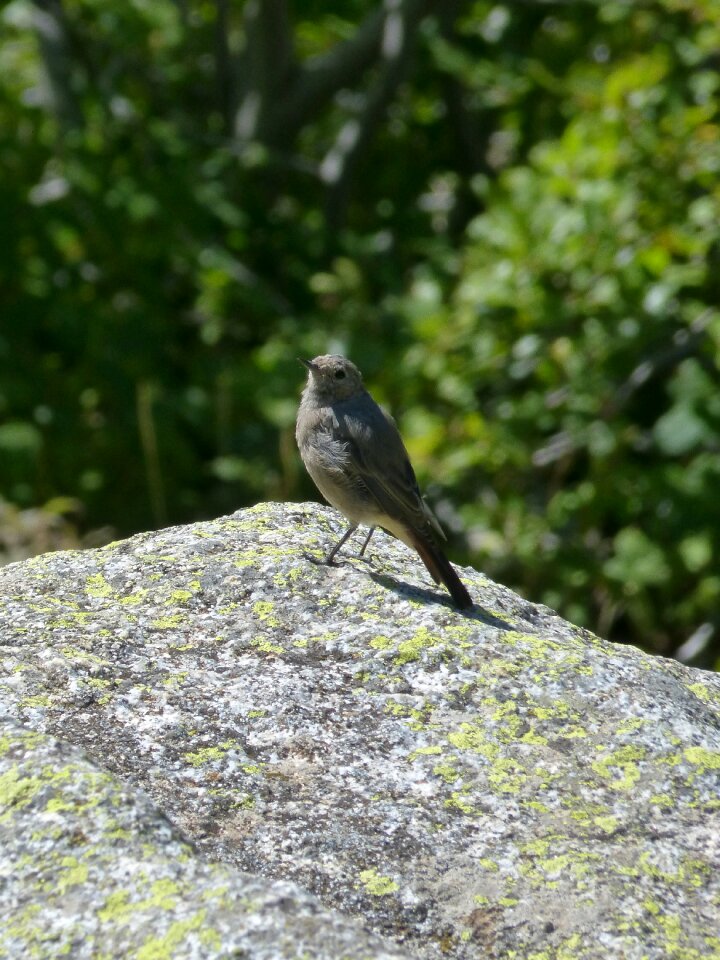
339, 374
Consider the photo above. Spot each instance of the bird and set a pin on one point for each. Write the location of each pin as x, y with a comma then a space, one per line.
355, 455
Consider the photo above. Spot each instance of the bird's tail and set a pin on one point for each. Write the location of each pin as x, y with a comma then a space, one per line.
441, 571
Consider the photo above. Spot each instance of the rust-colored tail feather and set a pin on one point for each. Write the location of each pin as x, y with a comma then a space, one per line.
441, 570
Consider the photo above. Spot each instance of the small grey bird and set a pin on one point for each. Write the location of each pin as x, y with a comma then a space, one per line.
355, 455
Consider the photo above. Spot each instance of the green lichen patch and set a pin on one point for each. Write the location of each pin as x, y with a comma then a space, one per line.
620, 768
447, 772
413, 648
381, 643
169, 622
266, 646
166, 947
97, 586
705, 692
377, 885
16, 791
702, 759
178, 596
213, 754
264, 611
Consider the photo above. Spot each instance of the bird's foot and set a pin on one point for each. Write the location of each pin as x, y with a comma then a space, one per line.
321, 561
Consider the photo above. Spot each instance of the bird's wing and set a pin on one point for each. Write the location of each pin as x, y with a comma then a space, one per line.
378, 458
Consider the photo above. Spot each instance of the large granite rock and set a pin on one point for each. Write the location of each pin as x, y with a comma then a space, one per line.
92, 869
349, 767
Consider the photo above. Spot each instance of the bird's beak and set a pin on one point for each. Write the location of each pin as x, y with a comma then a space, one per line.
309, 364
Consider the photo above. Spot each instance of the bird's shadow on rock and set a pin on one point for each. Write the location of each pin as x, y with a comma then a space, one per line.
411, 592
424, 595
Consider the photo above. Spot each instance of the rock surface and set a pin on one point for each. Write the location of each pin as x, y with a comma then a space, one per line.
349, 767
92, 869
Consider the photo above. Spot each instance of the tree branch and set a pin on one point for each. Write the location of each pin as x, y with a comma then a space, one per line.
321, 77
470, 137
402, 18
686, 343
266, 65
223, 64
51, 27
301, 91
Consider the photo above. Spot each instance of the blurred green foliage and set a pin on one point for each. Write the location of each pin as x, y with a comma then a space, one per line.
507, 214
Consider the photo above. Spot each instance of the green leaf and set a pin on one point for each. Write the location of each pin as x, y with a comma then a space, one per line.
20, 437
637, 561
680, 430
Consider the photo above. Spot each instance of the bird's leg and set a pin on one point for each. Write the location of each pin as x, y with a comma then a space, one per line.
328, 560
348, 533
367, 541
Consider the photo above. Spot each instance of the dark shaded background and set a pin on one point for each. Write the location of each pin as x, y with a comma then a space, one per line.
507, 214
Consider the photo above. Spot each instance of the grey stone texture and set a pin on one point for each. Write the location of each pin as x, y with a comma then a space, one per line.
212, 747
